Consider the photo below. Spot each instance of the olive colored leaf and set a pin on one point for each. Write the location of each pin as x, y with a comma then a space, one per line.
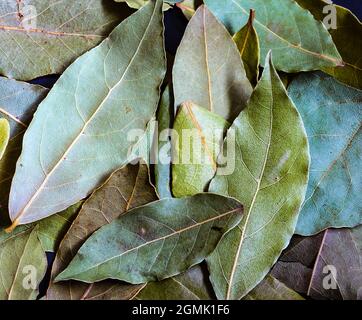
23, 264
295, 266
79, 133
18, 102
194, 154
270, 178
208, 69
272, 289
126, 188
337, 273
332, 116
248, 44
4, 135
190, 285
162, 168
136, 4
156, 241
298, 41
43, 37
346, 32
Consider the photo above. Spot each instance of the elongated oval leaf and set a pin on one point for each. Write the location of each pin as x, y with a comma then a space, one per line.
18, 102
270, 178
346, 35
155, 241
126, 188
332, 117
4, 136
22, 265
248, 44
72, 146
43, 37
200, 134
208, 69
298, 41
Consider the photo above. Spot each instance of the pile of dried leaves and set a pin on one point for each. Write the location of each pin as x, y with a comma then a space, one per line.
272, 211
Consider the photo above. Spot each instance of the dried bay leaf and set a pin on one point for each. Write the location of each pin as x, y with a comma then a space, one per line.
126, 188
298, 41
71, 148
346, 36
208, 69
40, 37
190, 285
156, 241
196, 157
165, 116
272, 289
248, 44
332, 116
4, 136
270, 179
21, 253
18, 102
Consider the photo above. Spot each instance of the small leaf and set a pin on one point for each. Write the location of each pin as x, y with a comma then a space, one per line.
126, 188
40, 37
165, 115
270, 179
298, 41
191, 285
272, 289
78, 135
155, 241
332, 117
22, 264
208, 69
248, 44
196, 156
4, 136
347, 37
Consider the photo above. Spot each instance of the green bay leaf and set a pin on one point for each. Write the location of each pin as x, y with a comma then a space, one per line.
298, 41
22, 264
155, 241
4, 136
40, 37
346, 36
248, 44
270, 178
332, 116
208, 69
126, 188
200, 135
79, 133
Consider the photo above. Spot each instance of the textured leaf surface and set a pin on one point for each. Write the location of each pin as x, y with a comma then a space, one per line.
208, 69
20, 253
298, 41
248, 44
4, 136
339, 262
78, 135
272, 289
332, 116
270, 178
127, 188
155, 241
347, 37
165, 115
43, 37
196, 157
18, 102
191, 285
